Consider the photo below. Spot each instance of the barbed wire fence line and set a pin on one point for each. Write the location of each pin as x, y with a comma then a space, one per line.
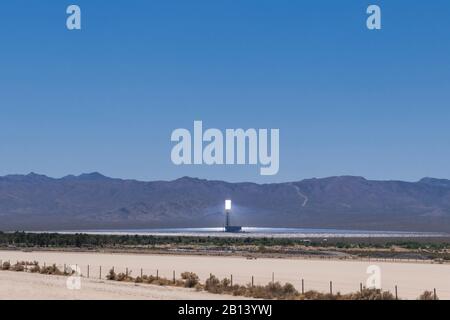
301, 283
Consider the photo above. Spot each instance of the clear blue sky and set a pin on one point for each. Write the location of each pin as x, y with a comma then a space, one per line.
347, 101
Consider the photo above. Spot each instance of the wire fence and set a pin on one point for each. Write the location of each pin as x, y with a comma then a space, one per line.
301, 283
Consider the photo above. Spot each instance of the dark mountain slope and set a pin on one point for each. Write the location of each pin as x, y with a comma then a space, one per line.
36, 202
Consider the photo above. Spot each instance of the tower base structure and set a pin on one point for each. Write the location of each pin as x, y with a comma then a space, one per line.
233, 229
228, 227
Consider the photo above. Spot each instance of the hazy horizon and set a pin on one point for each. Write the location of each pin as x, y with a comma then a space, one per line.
223, 180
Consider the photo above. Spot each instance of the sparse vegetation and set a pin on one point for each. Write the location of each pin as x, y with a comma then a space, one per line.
270, 291
287, 291
190, 279
428, 295
273, 290
111, 275
432, 249
53, 269
6, 265
55, 240
18, 267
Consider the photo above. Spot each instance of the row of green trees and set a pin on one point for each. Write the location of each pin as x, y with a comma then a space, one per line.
24, 239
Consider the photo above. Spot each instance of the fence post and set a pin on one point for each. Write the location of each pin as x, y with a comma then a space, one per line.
361, 288
253, 281
231, 280
88, 272
273, 277
157, 274
141, 273
396, 293
173, 276
435, 295
331, 287
100, 273
303, 286
127, 272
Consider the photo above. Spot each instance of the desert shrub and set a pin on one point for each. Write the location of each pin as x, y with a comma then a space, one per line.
312, 295
428, 295
111, 275
120, 277
274, 290
51, 270
199, 287
258, 292
149, 279
6, 265
19, 267
238, 290
226, 284
138, 280
289, 290
35, 269
162, 282
180, 283
371, 294
124, 277
190, 279
315, 295
212, 285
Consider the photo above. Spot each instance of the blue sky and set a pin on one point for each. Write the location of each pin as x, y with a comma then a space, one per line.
347, 101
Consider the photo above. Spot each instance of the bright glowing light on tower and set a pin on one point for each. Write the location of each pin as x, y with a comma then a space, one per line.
228, 205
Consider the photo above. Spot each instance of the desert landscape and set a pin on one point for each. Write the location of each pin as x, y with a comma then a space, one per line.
411, 278
20, 286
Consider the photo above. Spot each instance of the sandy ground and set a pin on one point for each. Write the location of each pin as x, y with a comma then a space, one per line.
15, 286
411, 278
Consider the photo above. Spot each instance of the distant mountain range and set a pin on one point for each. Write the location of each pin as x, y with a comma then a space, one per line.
93, 201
